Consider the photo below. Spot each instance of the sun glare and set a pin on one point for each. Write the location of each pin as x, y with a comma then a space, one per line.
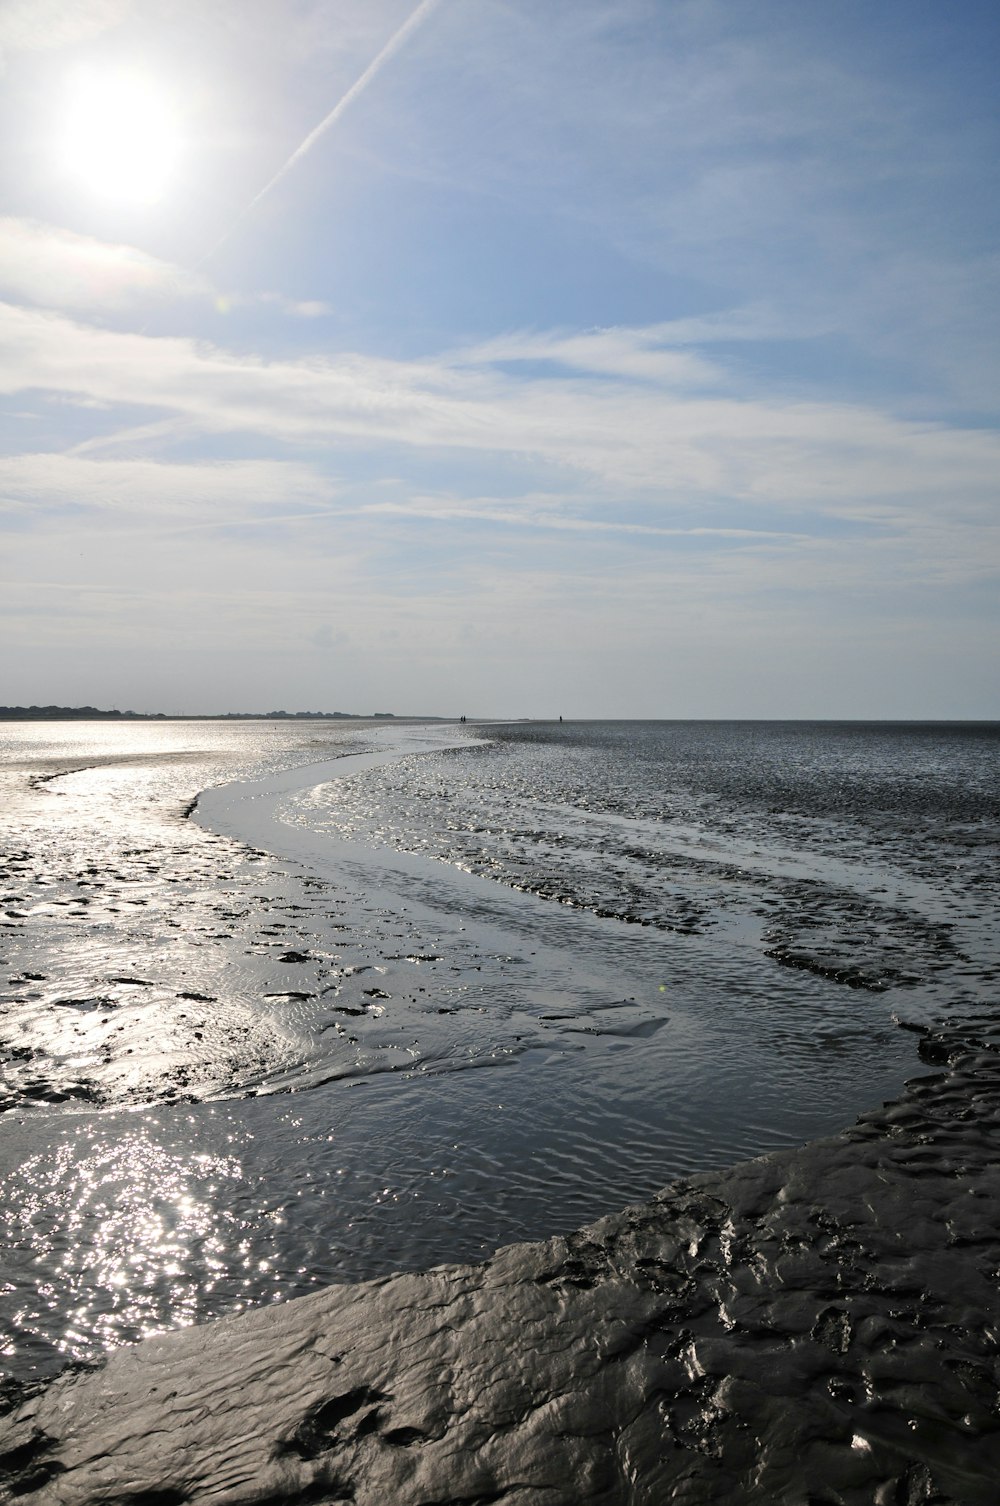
120, 138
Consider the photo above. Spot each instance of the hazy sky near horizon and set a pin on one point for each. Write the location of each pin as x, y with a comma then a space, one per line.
598, 357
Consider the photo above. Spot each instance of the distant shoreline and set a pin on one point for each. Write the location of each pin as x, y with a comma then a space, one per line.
93, 714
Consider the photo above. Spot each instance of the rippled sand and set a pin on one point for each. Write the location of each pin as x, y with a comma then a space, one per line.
236, 1072
819, 1325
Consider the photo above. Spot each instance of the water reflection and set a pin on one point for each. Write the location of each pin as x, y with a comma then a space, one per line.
133, 1237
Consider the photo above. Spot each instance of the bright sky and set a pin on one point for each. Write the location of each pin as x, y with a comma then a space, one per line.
507, 357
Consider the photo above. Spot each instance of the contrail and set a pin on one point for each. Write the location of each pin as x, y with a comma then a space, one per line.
393, 45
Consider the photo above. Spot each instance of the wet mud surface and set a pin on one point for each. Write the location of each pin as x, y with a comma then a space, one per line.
135, 949
236, 1069
868, 856
819, 1325
146, 959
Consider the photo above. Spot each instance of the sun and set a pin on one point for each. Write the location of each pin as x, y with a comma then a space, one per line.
120, 136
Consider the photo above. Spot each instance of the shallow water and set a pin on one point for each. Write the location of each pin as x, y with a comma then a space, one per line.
236, 1072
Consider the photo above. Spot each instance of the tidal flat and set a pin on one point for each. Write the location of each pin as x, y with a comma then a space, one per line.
293, 1007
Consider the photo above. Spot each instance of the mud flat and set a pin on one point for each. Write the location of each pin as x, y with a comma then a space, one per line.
819, 1325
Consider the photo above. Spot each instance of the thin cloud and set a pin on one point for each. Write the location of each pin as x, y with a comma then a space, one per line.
299, 308
57, 268
672, 447
415, 19
638, 354
208, 493
54, 267
37, 25
477, 510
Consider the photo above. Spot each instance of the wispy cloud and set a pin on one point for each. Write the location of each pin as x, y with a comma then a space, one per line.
395, 42
627, 433
299, 308
646, 354
57, 268
146, 490
527, 514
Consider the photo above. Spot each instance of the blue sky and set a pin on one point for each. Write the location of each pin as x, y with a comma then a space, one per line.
601, 357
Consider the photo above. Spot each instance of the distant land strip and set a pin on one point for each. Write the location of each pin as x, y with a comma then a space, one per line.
91, 714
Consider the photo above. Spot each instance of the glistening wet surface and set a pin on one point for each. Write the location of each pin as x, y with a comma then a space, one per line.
236, 1072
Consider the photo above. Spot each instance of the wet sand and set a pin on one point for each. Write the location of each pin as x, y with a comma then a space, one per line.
820, 1326
817, 1325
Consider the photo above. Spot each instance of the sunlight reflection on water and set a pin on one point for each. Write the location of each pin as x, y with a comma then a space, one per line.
134, 1235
